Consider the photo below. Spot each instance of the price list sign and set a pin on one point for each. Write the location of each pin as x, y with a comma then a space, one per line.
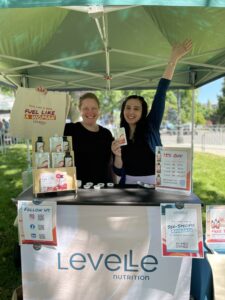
173, 169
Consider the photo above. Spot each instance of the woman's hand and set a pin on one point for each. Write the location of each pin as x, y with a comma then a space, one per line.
42, 90
116, 149
179, 50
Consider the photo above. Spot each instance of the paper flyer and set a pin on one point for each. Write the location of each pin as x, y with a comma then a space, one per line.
53, 182
173, 169
37, 223
215, 226
181, 230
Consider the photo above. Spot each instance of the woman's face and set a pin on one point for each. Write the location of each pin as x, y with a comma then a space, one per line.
89, 111
132, 111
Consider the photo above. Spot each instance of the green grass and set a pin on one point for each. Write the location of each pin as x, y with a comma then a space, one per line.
12, 164
209, 174
209, 178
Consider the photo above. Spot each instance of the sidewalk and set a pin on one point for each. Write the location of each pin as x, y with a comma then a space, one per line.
212, 149
218, 148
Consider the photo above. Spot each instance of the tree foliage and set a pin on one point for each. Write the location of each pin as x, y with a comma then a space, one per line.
221, 106
111, 102
6, 90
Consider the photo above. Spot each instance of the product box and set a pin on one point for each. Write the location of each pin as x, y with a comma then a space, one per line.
120, 136
42, 160
58, 159
56, 144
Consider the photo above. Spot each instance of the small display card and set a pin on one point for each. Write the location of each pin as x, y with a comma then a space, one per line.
181, 230
53, 182
215, 227
37, 223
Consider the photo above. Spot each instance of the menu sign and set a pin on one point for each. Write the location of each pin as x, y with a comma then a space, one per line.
173, 169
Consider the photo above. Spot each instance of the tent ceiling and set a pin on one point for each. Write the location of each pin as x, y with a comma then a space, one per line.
112, 47
44, 3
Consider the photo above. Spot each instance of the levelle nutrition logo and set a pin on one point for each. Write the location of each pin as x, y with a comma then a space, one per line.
112, 262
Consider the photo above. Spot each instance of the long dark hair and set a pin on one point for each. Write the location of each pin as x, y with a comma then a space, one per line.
140, 126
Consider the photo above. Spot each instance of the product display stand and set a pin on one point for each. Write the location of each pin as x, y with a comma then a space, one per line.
54, 172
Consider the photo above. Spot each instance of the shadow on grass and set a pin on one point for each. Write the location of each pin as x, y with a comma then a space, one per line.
207, 196
12, 164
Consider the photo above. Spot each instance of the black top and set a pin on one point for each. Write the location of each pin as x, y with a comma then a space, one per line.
138, 158
150, 135
92, 152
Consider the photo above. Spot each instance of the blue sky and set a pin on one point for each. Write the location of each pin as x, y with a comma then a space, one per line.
210, 91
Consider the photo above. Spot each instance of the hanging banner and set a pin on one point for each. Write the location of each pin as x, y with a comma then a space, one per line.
37, 223
173, 169
38, 114
105, 252
215, 227
181, 230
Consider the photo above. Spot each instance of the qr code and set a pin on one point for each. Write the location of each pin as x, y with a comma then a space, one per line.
42, 236
182, 245
41, 217
41, 227
32, 216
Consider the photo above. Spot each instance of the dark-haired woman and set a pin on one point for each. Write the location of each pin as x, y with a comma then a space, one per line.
136, 161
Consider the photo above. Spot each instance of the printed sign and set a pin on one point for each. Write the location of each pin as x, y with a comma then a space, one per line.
173, 169
37, 223
215, 226
181, 230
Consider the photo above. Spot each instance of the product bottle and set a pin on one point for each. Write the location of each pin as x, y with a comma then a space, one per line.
68, 160
158, 180
65, 144
39, 145
158, 155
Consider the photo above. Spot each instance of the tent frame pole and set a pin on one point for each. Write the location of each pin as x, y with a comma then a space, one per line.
192, 81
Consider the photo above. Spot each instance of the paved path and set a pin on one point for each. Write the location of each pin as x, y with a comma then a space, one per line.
214, 146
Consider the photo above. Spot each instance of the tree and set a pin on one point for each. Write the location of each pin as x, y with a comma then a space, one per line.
6, 90
221, 106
